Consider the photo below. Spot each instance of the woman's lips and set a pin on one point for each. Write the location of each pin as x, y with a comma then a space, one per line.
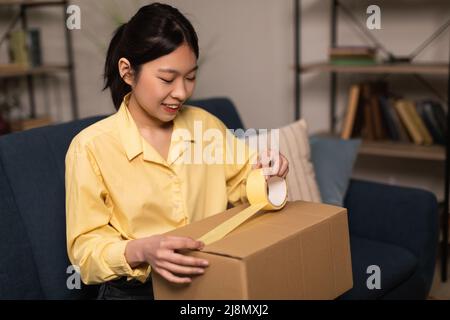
171, 109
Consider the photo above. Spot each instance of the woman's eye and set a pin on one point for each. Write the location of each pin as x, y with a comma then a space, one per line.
166, 81
191, 79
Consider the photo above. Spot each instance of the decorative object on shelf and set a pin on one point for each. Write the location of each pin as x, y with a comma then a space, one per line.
18, 51
34, 47
25, 49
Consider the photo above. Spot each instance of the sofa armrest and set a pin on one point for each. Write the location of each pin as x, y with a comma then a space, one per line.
402, 216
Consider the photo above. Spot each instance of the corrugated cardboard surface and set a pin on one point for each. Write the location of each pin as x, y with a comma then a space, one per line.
300, 252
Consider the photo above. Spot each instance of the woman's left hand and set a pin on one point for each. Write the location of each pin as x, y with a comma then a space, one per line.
273, 164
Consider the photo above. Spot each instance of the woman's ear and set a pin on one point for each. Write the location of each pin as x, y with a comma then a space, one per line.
125, 71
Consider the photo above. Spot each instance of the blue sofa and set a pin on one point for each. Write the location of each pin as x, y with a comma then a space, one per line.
392, 227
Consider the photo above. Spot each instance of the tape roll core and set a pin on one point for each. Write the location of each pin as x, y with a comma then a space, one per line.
277, 191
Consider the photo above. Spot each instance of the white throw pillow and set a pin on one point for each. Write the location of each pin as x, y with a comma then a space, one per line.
294, 145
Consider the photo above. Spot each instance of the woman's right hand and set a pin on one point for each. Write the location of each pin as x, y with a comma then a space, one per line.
160, 252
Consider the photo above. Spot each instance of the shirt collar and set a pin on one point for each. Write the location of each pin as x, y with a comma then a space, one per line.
134, 144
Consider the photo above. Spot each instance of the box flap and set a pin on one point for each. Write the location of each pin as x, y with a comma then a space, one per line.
252, 237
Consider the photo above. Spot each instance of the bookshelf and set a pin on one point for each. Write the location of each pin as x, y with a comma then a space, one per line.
395, 68
21, 72
403, 150
380, 148
29, 73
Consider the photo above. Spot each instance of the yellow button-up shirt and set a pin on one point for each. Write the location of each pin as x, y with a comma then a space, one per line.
119, 188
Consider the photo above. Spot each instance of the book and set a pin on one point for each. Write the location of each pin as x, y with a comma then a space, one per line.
411, 108
391, 128
368, 129
439, 115
403, 134
352, 62
378, 88
352, 50
397, 131
352, 106
402, 108
425, 110
34, 47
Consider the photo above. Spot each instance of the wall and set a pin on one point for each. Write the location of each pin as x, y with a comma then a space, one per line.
247, 55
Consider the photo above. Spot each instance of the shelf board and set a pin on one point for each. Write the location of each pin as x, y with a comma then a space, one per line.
8, 72
402, 150
31, 3
405, 68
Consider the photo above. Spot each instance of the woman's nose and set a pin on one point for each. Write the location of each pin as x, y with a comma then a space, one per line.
180, 92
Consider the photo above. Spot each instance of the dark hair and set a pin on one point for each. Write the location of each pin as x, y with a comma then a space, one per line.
154, 31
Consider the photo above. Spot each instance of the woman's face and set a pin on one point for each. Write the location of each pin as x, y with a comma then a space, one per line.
164, 84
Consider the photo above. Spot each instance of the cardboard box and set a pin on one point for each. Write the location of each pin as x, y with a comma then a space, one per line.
299, 252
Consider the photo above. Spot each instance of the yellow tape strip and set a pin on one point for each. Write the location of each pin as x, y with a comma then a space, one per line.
262, 194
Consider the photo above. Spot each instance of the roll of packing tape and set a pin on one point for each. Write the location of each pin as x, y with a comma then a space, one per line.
262, 194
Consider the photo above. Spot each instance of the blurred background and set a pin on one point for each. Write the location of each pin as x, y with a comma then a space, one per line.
247, 53
52, 56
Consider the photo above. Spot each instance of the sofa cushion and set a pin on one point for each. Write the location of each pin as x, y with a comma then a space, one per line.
301, 180
16, 256
333, 160
33, 163
396, 266
222, 108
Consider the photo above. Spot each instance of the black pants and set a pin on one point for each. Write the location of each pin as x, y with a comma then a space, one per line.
121, 289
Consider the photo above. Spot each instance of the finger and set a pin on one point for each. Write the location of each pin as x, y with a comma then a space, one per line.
257, 165
175, 268
285, 174
272, 164
171, 277
283, 167
177, 243
183, 260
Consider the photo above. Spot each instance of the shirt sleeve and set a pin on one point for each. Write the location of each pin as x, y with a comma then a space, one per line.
93, 244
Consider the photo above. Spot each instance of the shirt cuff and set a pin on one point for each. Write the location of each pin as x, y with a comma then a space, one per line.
116, 261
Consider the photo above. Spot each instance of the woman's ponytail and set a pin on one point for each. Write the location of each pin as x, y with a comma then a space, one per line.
112, 77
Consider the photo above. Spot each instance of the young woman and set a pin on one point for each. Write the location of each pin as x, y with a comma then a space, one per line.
125, 185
